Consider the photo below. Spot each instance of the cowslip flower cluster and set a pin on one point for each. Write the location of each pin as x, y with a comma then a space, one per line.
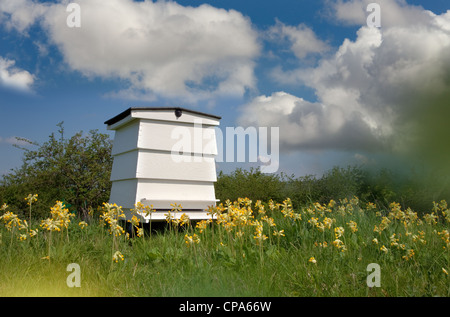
111, 215
191, 240
118, 256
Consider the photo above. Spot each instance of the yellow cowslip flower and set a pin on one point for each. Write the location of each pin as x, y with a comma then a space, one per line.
4, 207
116, 229
118, 256
260, 207
191, 240
394, 241
278, 233
22, 237
445, 236
202, 225
295, 216
312, 260
83, 224
371, 206
338, 232
134, 221
331, 204
320, 226
33, 233
339, 245
327, 222
51, 224
419, 237
212, 211
353, 226
313, 221
176, 207
320, 244
259, 236
184, 219
287, 209
375, 241
11, 220
431, 219
410, 253
269, 221
396, 211
384, 249
273, 205
169, 217
445, 271
23, 225
31, 198
140, 232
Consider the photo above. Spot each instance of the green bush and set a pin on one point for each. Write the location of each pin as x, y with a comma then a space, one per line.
75, 170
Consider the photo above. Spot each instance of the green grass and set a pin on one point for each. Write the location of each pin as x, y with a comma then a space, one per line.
226, 264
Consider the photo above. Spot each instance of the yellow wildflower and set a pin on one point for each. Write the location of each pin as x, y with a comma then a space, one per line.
118, 256
338, 232
312, 260
278, 233
191, 240
31, 198
410, 253
353, 226
339, 245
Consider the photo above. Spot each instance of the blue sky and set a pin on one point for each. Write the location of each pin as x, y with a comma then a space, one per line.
340, 92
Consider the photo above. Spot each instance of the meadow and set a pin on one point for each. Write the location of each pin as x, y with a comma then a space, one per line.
247, 248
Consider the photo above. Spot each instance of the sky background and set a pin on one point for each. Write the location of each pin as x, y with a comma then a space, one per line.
341, 92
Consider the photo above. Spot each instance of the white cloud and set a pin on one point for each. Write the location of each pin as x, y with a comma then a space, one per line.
393, 12
161, 47
302, 39
306, 125
13, 77
21, 14
372, 93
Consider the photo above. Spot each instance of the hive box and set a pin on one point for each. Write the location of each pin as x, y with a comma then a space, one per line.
154, 164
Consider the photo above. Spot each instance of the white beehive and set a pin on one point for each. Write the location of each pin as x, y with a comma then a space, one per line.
164, 156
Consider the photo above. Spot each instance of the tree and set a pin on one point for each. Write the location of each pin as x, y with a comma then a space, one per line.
75, 171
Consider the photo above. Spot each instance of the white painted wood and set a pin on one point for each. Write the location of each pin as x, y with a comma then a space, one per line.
126, 138
158, 135
145, 164
123, 193
174, 190
158, 165
125, 165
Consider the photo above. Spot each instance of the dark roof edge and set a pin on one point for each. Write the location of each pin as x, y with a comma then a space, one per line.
127, 112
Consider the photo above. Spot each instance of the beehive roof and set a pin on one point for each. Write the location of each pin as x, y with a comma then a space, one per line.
127, 112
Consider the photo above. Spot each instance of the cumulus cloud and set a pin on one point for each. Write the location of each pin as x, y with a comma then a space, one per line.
374, 92
302, 39
393, 12
309, 125
13, 77
162, 48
